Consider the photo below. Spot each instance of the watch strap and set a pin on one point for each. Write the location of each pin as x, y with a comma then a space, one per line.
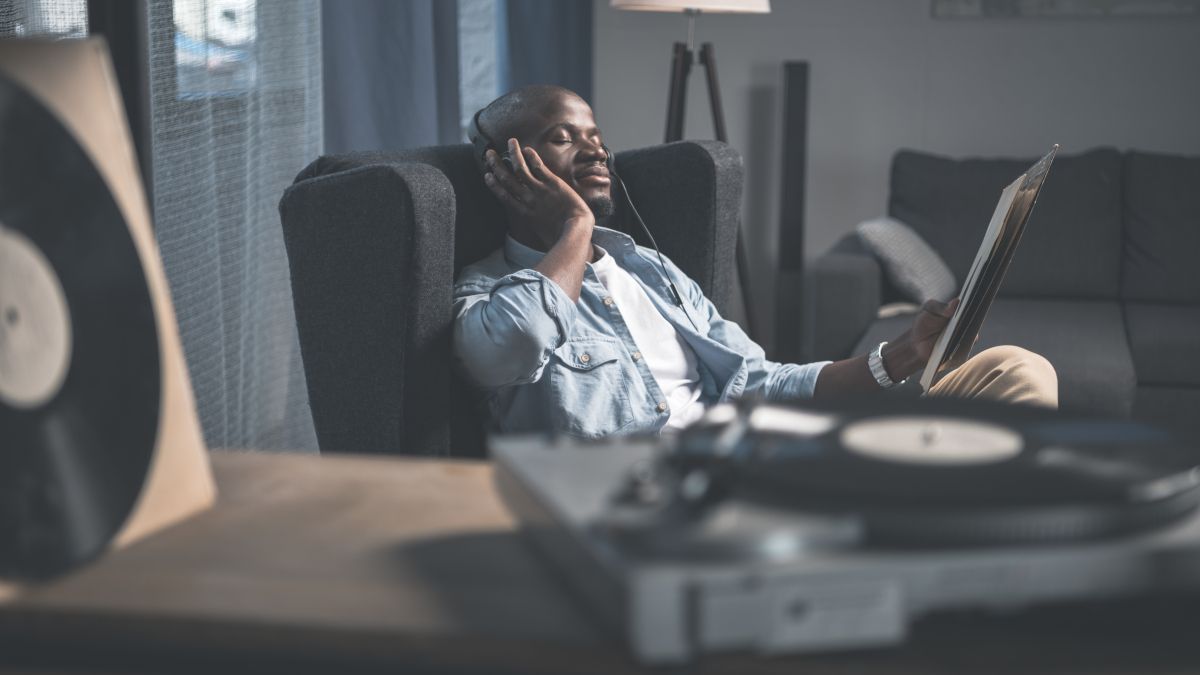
875, 363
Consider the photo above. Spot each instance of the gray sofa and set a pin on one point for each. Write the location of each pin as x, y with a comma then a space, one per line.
375, 240
1105, 283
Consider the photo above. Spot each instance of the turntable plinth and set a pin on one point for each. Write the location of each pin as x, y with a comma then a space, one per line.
317, 564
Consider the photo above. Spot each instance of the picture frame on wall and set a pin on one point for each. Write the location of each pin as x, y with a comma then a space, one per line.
1065, 9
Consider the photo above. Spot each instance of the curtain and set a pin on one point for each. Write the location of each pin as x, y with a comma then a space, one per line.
235, 113
391, 74
406, 74
547, 43
482, 38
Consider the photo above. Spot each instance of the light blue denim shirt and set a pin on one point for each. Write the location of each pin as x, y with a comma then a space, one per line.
551, 365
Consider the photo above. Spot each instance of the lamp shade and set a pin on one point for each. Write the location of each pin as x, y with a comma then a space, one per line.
705, 6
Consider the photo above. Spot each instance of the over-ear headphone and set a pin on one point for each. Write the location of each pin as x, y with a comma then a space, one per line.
483, 142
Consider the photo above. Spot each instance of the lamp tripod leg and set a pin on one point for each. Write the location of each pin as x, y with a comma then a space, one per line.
708, 58
681, 68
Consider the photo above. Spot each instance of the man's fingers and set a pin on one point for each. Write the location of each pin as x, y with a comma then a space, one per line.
502, 193
506, 179
536, 167
942, 309
518, 159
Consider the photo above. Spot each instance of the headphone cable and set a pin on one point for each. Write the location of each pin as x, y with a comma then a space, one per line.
663, 263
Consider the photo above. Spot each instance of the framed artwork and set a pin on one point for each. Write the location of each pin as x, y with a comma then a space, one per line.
1011, 9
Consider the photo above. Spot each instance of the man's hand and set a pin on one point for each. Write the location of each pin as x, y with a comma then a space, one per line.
535, 196
909, 352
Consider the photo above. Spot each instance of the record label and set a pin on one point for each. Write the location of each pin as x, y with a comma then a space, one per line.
931, 440
35, 324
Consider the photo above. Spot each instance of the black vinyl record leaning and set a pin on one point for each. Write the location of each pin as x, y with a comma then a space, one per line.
79, 355
947, 472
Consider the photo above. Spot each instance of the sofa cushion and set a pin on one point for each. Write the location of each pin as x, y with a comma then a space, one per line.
1162, 228
1072, 244
1165, 341
1085, 340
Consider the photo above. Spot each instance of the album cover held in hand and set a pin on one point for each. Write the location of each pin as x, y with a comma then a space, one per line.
953, 347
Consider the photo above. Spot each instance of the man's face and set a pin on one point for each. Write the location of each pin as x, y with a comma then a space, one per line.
565, 136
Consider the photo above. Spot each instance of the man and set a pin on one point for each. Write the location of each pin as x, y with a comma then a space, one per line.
571, 328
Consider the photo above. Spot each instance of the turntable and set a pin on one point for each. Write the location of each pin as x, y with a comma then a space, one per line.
795, 529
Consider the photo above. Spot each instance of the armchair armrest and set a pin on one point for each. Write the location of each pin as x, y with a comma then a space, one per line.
845, 291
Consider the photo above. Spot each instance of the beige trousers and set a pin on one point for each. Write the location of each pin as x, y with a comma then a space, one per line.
1006, 374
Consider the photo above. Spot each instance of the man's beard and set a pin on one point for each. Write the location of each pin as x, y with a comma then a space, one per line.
601, 206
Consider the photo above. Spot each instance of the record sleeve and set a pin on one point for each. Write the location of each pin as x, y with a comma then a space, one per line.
101, 442
79, 369
953, 346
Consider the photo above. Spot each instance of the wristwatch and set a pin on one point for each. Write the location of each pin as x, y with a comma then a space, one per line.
875, 363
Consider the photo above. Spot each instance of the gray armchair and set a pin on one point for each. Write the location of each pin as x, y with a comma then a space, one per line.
375, 240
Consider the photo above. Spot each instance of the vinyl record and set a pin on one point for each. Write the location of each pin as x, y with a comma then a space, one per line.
79, 358
955, 472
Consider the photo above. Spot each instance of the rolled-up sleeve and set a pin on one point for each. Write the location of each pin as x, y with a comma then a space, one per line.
505, 332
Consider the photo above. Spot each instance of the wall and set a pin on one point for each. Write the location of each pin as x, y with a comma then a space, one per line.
885, 75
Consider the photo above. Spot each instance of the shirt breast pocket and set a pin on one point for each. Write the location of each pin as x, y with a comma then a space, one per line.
591, 382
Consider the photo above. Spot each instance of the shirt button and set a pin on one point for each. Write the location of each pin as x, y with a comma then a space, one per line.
608, 302
661, 407
637, 356
584, 358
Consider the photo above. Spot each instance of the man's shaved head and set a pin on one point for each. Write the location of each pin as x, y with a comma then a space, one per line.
512, 115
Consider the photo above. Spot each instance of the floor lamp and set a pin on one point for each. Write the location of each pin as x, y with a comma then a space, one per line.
683, 55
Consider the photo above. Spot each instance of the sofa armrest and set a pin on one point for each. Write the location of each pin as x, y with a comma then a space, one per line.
690, 195
371, 254
844, 294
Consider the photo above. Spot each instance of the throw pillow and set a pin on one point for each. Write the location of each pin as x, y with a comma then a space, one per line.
913, 267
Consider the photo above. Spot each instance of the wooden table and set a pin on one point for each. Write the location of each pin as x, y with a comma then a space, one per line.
332, 564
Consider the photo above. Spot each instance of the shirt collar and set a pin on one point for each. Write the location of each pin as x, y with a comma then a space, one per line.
615, 243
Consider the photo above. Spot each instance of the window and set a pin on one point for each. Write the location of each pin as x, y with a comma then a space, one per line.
215, 47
